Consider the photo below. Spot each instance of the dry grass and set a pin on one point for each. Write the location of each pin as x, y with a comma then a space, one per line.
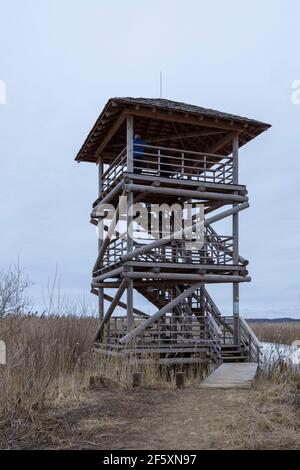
268, 417
282, 333
46, 400
47, 358
50, 361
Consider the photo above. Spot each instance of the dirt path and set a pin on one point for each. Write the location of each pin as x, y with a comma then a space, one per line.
264, 417
146, 419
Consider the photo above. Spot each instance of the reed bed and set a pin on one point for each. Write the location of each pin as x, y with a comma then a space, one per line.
277, 332
51, 360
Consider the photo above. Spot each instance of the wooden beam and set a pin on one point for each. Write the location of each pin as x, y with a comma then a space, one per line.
186, 118
219, 144
179, 136
129, 143
185, 266
107, 275
213, 278
129, 220
110, 134
185, 192
111, 308
136, 311
167, 308
100, 236
107, 239
177, 235
170, 182
235, 246
114, 192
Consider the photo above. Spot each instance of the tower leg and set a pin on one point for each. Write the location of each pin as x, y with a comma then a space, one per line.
129, 304
235, 235
100, 240
129, 221
236, 314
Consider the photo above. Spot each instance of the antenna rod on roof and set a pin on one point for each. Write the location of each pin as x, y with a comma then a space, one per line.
161, 83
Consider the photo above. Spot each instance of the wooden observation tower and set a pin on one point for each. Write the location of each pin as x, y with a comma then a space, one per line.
154, 152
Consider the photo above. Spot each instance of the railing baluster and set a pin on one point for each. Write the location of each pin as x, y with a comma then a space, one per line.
159, 162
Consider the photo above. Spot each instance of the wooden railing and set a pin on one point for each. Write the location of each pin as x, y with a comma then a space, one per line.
248, 339
206, 304
170, 163
214, 251
182, 164
170, 334
114, 172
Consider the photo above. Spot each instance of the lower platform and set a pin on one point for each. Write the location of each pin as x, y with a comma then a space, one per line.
232, 375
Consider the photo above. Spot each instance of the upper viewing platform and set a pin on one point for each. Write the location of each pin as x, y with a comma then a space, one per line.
182, 144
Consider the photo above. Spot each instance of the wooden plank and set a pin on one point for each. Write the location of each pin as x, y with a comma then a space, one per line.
110, 134
187, 277
232, 375
185, 192
186, 118
184, 266
178, 182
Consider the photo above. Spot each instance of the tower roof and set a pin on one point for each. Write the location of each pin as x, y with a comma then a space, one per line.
154, 118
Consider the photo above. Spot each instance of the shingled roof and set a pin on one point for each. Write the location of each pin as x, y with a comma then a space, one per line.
149, 115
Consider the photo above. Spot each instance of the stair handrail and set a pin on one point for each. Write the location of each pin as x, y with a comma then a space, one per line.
215, 325
251, 332
252, 340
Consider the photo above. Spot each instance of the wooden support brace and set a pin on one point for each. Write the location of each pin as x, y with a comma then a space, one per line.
180, 380
185, 192
179, 234
111, 308
167, 308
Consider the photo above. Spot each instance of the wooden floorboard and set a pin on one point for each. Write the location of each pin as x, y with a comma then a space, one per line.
232, 375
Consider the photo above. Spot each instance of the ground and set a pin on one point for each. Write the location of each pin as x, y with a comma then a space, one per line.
192, 418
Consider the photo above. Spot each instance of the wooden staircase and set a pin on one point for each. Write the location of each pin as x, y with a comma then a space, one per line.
202, 307
234, 353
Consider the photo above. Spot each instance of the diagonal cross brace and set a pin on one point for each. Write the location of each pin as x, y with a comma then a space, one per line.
111, 308
176, 235
168, 307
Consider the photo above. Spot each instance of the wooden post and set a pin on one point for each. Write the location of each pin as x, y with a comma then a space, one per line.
202, 300
176, 235
129, 144
111, 308
235, 234
136, 379
167, 308
180, 380
100, 238
129, 221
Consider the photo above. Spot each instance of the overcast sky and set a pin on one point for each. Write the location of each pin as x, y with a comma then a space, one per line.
62, 59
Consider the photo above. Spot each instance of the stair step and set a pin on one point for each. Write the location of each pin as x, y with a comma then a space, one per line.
234, 358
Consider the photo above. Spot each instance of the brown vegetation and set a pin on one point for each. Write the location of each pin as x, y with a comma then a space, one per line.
46, 400
281, 332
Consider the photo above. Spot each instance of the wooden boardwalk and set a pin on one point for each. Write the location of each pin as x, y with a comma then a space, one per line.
232, 375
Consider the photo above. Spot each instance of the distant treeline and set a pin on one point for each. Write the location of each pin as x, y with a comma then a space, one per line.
272, 320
